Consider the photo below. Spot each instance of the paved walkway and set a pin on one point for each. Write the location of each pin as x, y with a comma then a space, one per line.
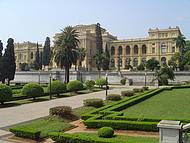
18, 114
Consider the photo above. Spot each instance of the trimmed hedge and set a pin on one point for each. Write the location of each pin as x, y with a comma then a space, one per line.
127, 93
123, 81
96, 102
113, 97
138, 90
101, 82
78, 138
57, 87
60, 111
25, 133
145, 87
90, 84
74, 85
122, 125
32, 90
5, 93
105, 132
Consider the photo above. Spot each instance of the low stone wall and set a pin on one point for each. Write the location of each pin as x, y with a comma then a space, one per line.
138, 78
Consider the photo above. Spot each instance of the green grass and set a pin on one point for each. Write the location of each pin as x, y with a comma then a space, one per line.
121, 138
169, 104
46, 125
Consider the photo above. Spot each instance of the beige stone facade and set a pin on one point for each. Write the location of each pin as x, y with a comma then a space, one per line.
26, 52
159, 44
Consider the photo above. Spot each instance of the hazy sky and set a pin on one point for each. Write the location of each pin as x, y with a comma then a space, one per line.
33, 20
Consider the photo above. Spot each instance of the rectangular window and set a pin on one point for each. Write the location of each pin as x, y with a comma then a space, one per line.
153, 50
173, 49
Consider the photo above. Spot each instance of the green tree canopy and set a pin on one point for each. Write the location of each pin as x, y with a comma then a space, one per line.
152, 64
65, 49
8, 61
46, 52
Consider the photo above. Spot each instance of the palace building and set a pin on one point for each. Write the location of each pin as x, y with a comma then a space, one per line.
159, 44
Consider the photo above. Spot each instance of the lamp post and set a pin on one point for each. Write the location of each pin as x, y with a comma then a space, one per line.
39, 77
106, 85
145, 74
50, 78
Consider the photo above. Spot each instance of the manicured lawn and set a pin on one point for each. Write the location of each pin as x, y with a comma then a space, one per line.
46, 125
169, 104
120, 138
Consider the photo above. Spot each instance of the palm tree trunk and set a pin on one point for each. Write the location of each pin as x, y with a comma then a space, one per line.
99, 73
67, 75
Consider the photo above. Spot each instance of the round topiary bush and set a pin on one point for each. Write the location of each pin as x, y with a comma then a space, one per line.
5, 93
123, 81
74, 85
57, 87
60, 111
127, 93
96, 102
90, 84
32, 90
113, 97
100, 82
106, 132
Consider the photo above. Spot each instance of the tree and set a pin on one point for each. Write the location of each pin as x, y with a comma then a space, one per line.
180, 43
37, 63
152, 64
172, 63
1, 65
46, 52
106, 60
65, 49
99, 57
9, 65
81, 53
99, 49
163, 75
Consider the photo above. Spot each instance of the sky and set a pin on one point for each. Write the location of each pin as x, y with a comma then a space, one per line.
33, 20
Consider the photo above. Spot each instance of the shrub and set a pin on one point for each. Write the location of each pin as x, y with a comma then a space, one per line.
145, 88
5, 93
74, 85
96, 102
138, 89
114, 97
123, 81
127, 93
141, 67
57, 87
60, 111
90, 84
25, 132
32, 90
100, 82
105, 132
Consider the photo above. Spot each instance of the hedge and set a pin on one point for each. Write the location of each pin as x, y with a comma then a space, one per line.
122, 125
78, 138
25, 132
5, 93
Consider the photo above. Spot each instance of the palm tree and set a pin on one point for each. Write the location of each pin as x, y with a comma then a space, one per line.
65, 49
180, 42
81, 53
99, 57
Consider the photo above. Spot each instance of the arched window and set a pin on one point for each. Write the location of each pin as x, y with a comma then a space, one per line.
128, 50
112, 50
163, 48
136, 49
120, 50
163, 60
31, 55
135, 62
143, 49
112, 63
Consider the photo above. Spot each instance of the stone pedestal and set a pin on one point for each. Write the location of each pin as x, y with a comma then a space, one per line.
170, 131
